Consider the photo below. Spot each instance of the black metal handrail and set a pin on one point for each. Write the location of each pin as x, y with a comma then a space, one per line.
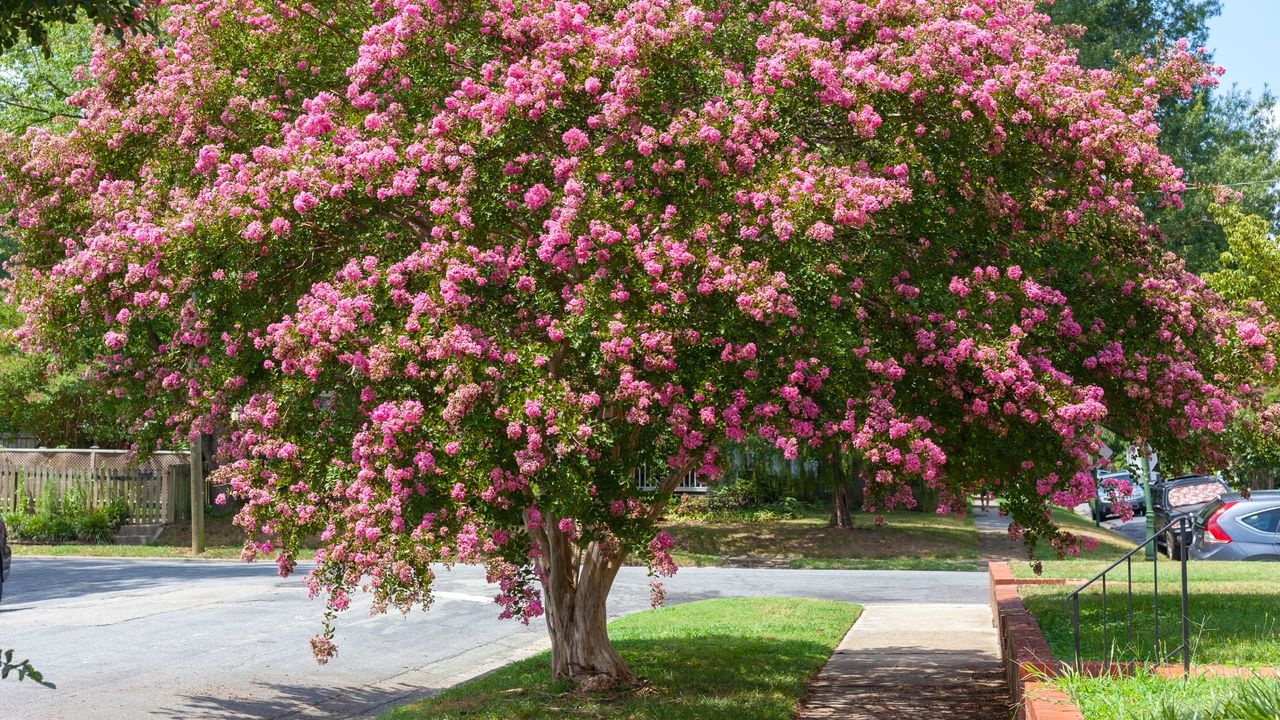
1073, 601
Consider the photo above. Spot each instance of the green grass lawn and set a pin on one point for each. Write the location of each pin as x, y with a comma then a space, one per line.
907, 540
1234, 608
1235, 620
126, 551
739, 659
1197, 572
1147, 696
1110, 545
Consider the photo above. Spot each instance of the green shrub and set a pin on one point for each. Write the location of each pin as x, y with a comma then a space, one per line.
705, 508
49, 528
730, 497
787, 507
95, 527
116, 510
66, 517
49, 502
14, 523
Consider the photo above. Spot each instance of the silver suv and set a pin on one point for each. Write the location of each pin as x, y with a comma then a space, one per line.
1232, 527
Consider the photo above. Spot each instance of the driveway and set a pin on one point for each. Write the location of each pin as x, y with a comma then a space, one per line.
207, 639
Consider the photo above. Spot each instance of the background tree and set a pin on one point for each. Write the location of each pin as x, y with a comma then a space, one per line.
452, 272
35, 84
1225, 139
1249, 273
59, 407
1249, 269
1110, 32
35, 22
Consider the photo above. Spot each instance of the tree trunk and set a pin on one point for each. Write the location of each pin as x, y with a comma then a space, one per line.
576, 585
840, 491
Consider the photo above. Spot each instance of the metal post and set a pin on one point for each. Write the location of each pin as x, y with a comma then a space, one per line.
1133, 645
1155, 593
1106, 660
1075, 626
197, 496
1186, 620
1144, 467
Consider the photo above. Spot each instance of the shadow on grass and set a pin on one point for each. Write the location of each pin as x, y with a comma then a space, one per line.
1230, 628
705, 676
905, 535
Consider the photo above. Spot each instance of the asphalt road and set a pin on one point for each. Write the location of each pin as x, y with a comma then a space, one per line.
1135, 529
204, 639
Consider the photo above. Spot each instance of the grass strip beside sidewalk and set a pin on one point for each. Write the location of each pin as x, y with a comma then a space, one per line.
731, 659
1232, 607
1146, 696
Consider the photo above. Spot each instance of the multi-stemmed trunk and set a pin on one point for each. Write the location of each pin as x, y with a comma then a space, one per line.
576, 588
576, 581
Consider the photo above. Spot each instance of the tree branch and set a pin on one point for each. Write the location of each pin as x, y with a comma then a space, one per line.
667, 487
47, 113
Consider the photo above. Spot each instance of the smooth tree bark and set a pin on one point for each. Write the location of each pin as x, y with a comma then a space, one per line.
576, 588
575, 583
840, 492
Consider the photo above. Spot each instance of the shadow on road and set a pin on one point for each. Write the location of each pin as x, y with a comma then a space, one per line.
293, 701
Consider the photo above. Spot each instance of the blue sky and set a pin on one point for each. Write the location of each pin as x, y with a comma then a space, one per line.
1244, 41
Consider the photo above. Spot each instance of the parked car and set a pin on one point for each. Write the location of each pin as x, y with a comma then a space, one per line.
6, 555
1177, 497
1108, 495
1234, 528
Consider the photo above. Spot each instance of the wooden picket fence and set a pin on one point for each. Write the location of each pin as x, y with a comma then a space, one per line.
690, 483
154, 490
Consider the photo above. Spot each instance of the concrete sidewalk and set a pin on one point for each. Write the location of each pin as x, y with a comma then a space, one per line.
993, 535
918, 660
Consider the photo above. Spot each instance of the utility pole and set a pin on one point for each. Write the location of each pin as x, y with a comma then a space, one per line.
1144, 467
197, 495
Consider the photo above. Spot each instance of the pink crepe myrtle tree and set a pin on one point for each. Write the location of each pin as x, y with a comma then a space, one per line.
448, 272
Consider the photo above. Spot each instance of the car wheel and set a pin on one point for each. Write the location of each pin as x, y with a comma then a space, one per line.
1172, 547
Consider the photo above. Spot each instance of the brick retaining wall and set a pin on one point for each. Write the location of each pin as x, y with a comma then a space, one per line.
1025, 652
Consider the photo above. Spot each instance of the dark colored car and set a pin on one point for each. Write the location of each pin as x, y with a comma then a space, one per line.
1110, 487
1234, 528
5, 555
1177, 497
